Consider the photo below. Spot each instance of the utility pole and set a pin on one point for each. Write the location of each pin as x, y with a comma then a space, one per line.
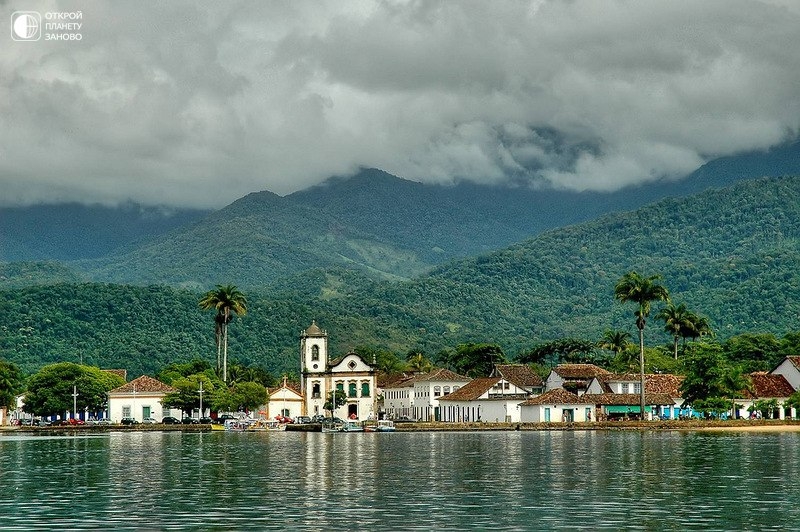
74, 400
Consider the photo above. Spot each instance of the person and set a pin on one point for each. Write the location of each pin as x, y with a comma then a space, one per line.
588, 415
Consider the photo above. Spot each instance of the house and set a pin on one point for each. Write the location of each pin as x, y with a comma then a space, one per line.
284, 400
623, 405
556, 406
657, 386
321, 375
574, 378
398, 397
430, 387
766, 387
492, 399
789, 367
140, 399
521, 375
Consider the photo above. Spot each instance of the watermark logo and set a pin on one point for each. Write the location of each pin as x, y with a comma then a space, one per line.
26, 26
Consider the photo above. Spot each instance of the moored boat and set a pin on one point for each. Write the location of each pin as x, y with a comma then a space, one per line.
385, 425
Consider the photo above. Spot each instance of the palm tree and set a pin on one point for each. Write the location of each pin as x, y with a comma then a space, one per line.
226, 300
677, 322
417, 362
618, 342
642, 291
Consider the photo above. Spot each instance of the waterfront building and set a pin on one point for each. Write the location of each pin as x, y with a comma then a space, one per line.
140, 399
321, 375
557, 405
765, 388
574, 378
789, 367
284, 400
491, 399
618, 394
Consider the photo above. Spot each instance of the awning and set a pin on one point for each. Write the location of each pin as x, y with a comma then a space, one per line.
619, 409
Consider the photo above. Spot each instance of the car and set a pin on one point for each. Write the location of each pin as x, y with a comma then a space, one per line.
149, 421
75, 421
190, 421
169, 420
129, 421
318, 418
222, 418
302, 420
205, 420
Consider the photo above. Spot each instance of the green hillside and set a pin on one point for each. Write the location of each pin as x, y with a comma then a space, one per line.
732, 255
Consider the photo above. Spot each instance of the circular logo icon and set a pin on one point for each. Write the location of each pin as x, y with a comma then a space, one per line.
26, 26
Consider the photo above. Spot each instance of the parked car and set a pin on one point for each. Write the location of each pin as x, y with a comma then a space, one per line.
302, 420
129, 421
222, 418
205, 420
149, 421
190, 421
75, 421
169, 420
319, 418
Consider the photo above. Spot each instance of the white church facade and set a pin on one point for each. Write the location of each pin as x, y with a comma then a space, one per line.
319, 375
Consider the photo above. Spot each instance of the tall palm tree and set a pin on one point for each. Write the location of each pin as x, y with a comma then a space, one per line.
643, 291
677, 322
226, 300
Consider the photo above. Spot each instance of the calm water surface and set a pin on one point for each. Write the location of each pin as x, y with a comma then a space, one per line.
401, 481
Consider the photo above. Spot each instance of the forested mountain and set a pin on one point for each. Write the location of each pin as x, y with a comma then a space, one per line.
73, 231
732, 255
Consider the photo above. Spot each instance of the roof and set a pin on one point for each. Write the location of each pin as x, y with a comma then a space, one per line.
664, 383
558, 396
631, 399
120, 372
768, 385
144, 384
314, 330
472, 390
580, 371
795, 361
293, 386
519, 374
440, 374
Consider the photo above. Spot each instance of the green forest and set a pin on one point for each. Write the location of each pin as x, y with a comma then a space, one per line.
731, 255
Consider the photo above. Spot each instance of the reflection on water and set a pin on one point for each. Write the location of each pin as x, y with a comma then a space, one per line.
401, 481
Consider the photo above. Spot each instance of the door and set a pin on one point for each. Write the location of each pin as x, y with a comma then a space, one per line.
145, 412
547, 415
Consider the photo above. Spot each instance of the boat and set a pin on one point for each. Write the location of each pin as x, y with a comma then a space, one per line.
331, 425
261, 425
236, 425
385, 425
351, 426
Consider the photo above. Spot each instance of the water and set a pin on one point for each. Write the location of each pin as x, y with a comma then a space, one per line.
401, 481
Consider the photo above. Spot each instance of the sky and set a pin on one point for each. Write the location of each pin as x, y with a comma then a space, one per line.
196, 104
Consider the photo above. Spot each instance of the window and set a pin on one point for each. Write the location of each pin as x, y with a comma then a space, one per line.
506, 386
351, 392
315, 393
637, 387
126, 411
314, 352
364, 389
446, 390
625, 387
437, 391
340, 387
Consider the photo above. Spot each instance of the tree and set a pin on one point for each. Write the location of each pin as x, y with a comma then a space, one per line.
226, 300
186, 396
571, 350
705, 369
50, 390
677, 322
334, 400
734, 382
244, 396
417, 362
643, 291
475, 360
10, 384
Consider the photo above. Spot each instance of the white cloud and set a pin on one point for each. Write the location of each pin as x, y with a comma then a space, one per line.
200, 103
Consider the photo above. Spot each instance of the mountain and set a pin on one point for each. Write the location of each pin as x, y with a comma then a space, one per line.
73, 231
731, 254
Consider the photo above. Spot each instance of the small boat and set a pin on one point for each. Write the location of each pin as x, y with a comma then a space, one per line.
236, 425
385, 425
351, 426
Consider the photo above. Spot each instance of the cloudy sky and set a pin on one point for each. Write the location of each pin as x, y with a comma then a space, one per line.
199, 103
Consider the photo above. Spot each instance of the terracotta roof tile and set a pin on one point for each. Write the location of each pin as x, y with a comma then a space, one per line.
144, 384
767, 385
440, 374
628, 399
472, 390
579, 371
519, 374
558, 396
664, 383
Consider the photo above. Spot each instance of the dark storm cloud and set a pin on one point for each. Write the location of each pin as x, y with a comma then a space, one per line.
200, 103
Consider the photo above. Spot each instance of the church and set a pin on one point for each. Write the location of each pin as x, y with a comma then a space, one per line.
319, 375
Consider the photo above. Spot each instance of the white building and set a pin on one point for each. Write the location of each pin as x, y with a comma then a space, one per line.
789, 367
285, 400
490, 399
140, 399
556, 406
320, 376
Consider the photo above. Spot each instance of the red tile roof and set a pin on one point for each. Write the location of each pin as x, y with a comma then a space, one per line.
558, 396
767, 385
440, 374
666, 383
580, 371
144, 384
520, 375
628, 399
472, 390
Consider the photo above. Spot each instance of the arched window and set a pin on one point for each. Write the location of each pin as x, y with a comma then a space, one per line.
352, 390
314, 352
315, 393
446, 390
340, 387
437, 391
364, 389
